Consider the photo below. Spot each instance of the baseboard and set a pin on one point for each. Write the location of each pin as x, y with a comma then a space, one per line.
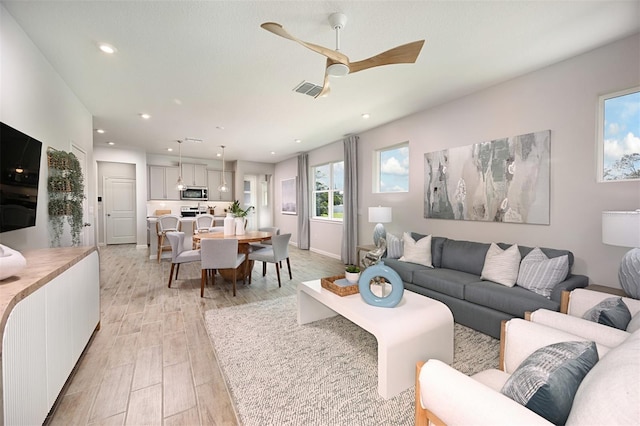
325, 253
141, 247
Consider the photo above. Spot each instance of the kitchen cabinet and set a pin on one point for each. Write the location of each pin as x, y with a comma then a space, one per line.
214, 181
194, 174
162, 183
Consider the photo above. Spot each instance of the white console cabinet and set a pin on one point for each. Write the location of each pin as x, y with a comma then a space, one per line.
49, 315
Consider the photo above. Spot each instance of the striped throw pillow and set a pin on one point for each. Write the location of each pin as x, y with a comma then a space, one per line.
540, 274
394, 246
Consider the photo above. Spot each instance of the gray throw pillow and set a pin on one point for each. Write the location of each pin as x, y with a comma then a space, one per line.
611, 311
540, 274
546, 382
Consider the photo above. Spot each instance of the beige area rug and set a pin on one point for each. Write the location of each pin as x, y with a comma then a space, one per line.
323, 373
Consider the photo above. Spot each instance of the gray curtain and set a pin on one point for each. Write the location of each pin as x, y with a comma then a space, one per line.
303, 201
350, 220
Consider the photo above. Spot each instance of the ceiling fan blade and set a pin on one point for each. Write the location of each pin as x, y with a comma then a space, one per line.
405, 54
277, 29
325, 86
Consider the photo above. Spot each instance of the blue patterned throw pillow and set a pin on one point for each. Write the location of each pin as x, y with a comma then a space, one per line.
611, 311
546, 382
394, 247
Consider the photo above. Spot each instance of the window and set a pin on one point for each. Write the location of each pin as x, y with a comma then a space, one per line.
391, 169
328, 191
619, 136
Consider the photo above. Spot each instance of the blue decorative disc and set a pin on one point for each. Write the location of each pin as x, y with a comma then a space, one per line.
391, 276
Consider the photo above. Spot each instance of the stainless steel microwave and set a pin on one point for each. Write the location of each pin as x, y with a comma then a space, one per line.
195, 193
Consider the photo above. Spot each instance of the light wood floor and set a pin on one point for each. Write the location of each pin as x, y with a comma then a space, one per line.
151, 362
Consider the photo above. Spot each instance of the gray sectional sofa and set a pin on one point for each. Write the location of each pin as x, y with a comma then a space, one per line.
481, 305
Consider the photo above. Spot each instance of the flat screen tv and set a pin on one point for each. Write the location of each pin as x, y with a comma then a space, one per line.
20, 165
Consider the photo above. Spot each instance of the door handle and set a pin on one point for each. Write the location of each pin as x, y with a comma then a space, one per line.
86, 224
108, 214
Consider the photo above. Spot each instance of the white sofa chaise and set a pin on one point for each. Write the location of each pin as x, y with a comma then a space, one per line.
609, 393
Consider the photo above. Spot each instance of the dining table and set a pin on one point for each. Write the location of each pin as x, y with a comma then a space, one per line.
243, 247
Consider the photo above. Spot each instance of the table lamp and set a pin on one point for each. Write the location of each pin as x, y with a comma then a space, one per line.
379, 215
622, 228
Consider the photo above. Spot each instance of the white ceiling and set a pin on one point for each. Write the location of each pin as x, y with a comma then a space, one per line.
197, 66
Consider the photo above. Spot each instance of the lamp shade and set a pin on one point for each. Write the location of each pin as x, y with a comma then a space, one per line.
380, 214
621, 228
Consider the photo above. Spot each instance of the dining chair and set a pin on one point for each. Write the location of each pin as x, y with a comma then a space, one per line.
263, 244
178, 253
219, 253
202, 224
166, 223
275, 254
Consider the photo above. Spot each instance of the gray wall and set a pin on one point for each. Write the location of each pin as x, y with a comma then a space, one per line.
562, 97
36, 101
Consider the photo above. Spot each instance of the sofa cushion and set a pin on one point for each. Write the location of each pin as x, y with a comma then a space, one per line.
540, 274
612, 311
394, 246
610, 394
512, 300
501, 266
446, 281
634, 324
404, 269
417, 251
548, 379
465, 256
436, 248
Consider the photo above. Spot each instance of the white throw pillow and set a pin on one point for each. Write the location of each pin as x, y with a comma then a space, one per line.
417, 251
540, 274
501, 266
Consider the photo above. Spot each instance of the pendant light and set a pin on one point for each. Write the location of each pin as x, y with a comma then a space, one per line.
223, 186
180, 184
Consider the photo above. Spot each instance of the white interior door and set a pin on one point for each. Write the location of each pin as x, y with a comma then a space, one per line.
87, 232
120, 210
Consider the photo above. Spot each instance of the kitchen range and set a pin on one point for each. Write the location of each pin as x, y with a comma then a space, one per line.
188, 211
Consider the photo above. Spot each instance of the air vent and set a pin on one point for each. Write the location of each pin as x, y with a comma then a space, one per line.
307, 88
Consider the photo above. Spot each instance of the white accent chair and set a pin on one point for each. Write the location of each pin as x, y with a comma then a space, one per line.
219, 254
166, 223
275, 254
609, 393
178, 253
577, 303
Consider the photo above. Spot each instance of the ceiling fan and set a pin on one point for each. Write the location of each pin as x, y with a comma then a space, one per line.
338, 64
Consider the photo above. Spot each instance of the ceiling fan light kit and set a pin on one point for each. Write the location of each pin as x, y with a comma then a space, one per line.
338, 64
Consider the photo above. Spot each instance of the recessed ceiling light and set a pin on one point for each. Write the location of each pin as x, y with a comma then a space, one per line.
298, 140
220, 127
107, 48
177, 101
273, 153
101, 131
366, 115
145, 116
169, 149
218, 155
111, 143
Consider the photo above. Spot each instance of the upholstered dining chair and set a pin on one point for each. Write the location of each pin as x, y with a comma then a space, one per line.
275, 254
263, 244
219, 253
166, 223
178, 253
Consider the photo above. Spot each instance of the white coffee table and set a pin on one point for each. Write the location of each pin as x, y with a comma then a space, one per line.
417, 329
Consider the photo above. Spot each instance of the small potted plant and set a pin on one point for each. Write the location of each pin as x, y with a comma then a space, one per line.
352, 273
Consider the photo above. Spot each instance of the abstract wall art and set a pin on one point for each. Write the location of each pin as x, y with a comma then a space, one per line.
503, 180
